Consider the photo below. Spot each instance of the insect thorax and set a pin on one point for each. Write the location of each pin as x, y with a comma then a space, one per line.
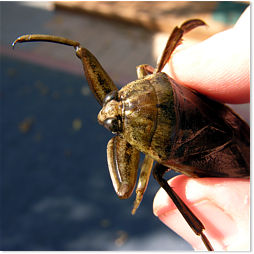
149, 115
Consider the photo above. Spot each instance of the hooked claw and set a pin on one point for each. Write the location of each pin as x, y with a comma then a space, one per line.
48, 38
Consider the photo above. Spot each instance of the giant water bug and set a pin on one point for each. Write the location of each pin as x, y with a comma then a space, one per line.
175, 126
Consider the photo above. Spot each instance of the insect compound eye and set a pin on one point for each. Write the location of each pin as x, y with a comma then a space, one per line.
110, 96
113, 124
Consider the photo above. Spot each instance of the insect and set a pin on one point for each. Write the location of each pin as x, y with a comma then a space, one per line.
175, 126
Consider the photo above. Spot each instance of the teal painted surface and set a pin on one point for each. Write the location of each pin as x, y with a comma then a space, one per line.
228, 12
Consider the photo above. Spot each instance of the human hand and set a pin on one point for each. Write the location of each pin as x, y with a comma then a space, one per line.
222, 204
218, 67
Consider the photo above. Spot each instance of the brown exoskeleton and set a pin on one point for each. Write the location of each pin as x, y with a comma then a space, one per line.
171, 124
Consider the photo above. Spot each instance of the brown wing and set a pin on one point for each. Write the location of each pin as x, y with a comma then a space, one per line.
210, 139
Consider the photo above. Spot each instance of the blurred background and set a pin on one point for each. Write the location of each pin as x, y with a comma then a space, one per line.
55, 190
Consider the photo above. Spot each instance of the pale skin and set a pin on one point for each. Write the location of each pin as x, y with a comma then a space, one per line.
220, 68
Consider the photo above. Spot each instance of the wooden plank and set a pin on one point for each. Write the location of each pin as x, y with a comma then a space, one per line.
160, 16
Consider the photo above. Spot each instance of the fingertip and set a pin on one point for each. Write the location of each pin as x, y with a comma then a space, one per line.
218, 67
220, 203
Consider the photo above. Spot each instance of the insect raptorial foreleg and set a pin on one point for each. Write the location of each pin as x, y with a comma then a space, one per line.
145, 173
99, 81
45, 37
123, 160
188, 215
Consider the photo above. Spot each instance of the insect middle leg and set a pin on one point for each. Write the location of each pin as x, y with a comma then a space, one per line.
144, 70
145, 173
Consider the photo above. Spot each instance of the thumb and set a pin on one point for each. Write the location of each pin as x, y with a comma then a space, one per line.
222, 204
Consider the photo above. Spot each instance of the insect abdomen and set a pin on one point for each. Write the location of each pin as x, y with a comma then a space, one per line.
210, 139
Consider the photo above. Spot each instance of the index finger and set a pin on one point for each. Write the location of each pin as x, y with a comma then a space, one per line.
218, 67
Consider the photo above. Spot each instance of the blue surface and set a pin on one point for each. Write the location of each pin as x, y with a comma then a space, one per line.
228, 12
55, 187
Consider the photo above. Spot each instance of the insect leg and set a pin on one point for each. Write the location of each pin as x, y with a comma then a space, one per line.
188, 215
99, 81
144, 70
45, 37
145, 173
123, 161
175, 39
